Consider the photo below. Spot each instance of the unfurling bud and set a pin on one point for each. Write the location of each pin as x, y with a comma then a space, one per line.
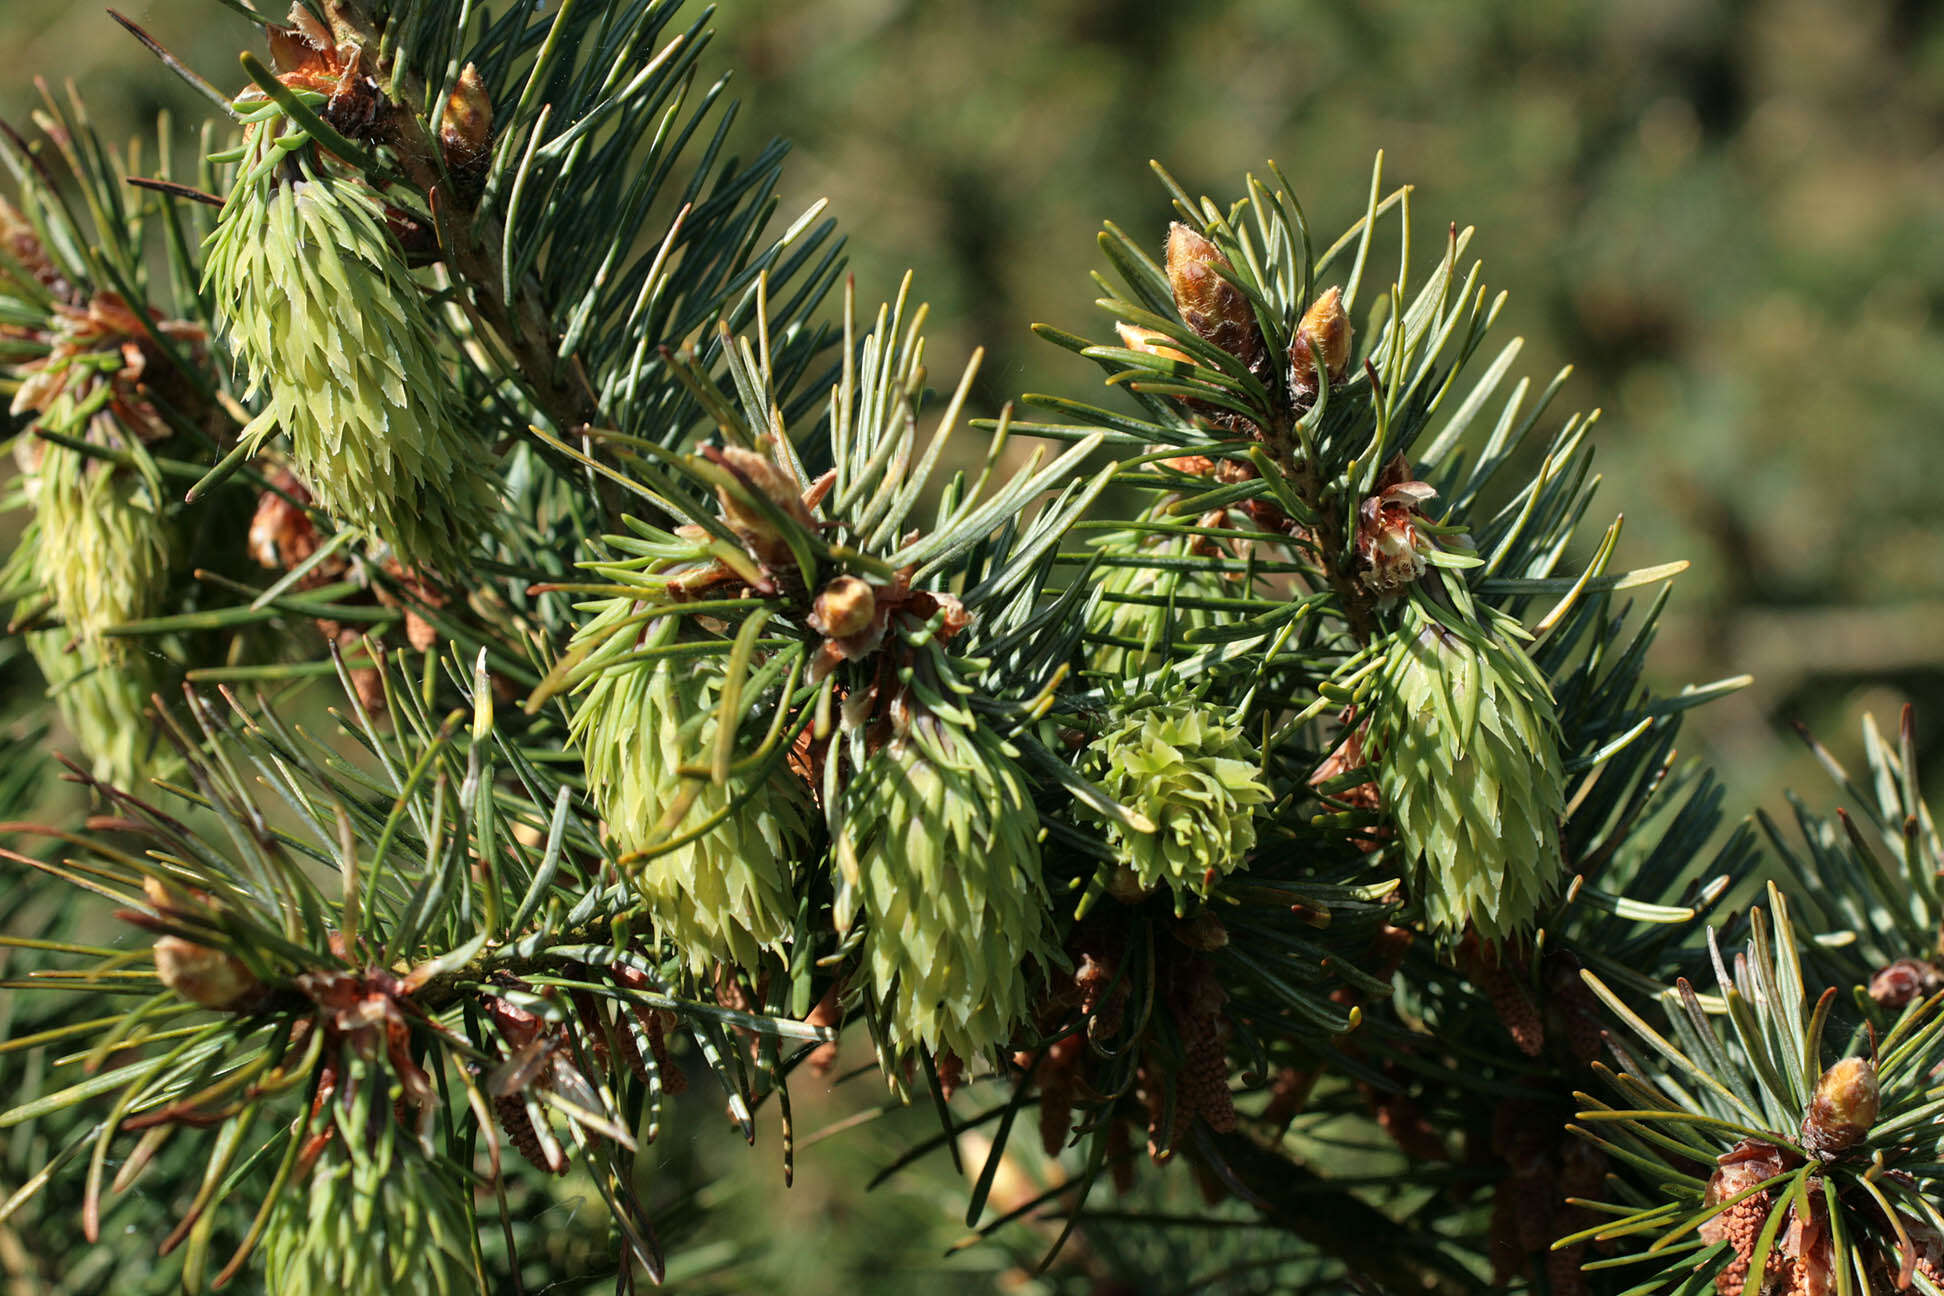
375, 1214
204, 976
1390, 551
1843, 1108
1196, 779
941, 856
844, 607
103, 703
726, 893
1324, 334
1465, 737
319, 305
1209, 304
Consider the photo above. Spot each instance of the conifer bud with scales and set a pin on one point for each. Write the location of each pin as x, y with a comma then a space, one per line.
1191, 774
941, 855
727, 892
1465, 740
90, 368
318, 305
1216, 309
1323, 334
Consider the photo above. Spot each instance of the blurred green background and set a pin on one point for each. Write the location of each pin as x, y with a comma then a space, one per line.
1728, 216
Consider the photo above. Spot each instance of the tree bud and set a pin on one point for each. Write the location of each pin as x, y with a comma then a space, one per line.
1324, 334
1903, 982
1844, 1107
1209, 304
844, 607
466, 132
204, 976
760, 475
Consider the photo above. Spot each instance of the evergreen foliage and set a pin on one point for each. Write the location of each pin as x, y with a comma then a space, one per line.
1260, 769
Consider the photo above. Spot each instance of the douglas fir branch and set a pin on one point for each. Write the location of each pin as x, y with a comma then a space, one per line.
543, 662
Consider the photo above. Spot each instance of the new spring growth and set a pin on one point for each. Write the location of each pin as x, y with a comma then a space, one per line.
1196, 779
1209, 304
1843, 1108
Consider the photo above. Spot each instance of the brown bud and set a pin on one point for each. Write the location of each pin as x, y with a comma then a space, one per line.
466, 126
844, 607
1904, 982
1323, 334
204, 976
1209, 304
1844, 1107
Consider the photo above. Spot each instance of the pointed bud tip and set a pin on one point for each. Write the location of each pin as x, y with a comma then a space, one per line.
1324, 333
1209, 304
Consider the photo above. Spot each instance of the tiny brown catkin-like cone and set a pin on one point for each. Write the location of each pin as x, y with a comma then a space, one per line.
518, 1127
1209, 304
1843, 1108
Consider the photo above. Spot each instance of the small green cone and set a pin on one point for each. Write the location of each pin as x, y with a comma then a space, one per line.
371, 1221
941, 854
104, 701
103, 551
1466, 747
319, 306
1128, 638
1196, 778
728, 894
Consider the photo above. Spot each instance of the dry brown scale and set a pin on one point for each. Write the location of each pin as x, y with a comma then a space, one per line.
282, 536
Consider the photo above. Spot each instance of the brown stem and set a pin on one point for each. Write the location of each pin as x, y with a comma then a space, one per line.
1359, 607
470, 241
